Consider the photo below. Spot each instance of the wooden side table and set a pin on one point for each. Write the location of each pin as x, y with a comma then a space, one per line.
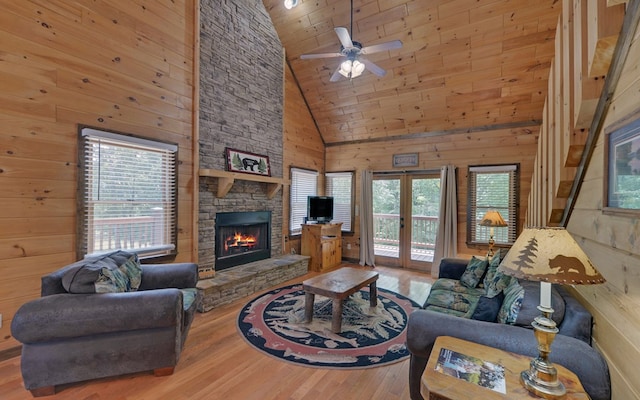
439, 386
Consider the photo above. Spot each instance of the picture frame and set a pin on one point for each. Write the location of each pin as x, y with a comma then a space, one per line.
247, 163
405, 160
622, 179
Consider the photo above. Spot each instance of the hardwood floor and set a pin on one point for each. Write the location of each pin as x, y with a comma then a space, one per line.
218, 364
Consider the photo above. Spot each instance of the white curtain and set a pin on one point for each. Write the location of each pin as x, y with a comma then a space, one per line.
367, 255
447, 238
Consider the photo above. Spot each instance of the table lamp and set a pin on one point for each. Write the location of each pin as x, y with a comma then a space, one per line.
548, 255
492, 219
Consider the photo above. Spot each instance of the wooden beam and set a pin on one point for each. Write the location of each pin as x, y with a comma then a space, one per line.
422, 135
226, 180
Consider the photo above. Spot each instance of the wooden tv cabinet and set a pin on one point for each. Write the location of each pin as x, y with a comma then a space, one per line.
323, 243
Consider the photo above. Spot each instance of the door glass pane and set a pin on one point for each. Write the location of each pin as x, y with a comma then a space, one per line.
386, 217
425, 209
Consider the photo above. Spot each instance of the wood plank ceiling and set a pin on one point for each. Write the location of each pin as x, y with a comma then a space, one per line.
464, 64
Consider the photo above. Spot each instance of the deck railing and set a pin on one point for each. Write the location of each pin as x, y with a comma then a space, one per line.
125, 233
387, 230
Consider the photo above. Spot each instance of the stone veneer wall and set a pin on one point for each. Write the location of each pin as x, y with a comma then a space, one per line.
241, 106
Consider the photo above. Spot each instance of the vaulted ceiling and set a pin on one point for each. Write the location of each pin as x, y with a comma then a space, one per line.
464, 64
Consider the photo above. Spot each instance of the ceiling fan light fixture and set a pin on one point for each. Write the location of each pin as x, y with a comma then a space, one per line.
357, 68
289, 4
351, 68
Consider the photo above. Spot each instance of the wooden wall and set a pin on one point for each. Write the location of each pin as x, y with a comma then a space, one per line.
464, 149
613, 244
124, 65
584, 49
303, 148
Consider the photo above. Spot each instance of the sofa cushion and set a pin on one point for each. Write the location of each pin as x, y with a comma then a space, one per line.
451, 297
531, 301
488, 308
474, 271
513, 295
495, 281
103, 274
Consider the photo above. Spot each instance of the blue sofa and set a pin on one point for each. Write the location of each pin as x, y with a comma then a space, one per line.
71, 337
571, 348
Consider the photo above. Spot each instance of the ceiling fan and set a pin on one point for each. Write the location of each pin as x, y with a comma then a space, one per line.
355, 64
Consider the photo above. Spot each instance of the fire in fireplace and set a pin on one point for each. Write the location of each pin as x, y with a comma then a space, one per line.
242, 237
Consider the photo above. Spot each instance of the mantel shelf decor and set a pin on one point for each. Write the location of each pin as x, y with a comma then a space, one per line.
226, 180
247, 163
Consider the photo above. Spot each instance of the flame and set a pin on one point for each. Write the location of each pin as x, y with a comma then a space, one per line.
239, 240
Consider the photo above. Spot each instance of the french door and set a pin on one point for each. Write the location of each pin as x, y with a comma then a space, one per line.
405, 218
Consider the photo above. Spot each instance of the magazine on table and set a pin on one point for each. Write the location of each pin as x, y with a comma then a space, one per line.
472, 369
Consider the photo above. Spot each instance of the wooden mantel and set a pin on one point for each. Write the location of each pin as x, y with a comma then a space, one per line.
226, 179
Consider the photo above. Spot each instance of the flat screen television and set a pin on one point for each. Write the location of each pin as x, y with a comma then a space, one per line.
320, 209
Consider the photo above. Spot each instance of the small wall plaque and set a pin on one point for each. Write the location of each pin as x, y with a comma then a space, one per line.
405, 160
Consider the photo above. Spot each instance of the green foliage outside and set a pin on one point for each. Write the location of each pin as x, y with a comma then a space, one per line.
626, 193
426, 197
128, 182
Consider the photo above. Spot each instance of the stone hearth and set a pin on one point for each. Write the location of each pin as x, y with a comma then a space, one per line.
243, 280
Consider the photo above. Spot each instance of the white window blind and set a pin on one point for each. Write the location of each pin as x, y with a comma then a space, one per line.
129, 194
304, 183
339, 185
493, 187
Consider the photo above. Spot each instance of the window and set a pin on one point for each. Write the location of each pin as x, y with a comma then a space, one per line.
493, 187
129, 189
304, 183
340, 187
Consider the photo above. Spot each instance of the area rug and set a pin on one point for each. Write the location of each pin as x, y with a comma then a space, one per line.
274, 323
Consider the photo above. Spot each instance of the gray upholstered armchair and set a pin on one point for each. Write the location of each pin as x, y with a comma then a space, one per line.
71, 337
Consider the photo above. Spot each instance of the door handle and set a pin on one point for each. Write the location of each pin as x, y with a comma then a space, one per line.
401, 222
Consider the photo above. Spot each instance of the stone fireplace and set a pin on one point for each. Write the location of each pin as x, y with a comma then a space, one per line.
241, 107
242, 237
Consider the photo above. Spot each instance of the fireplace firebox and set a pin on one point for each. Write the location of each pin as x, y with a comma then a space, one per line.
242, 237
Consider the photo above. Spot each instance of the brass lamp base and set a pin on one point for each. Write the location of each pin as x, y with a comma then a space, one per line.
491, 243
542, 377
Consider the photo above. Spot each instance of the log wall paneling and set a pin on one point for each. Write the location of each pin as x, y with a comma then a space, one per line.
461, 150
117, 65
303, 148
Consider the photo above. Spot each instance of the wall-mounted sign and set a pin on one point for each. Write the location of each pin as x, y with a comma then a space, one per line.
405, 160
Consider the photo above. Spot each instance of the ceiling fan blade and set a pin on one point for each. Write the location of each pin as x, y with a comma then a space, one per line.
336, 75
343, 35
396, 44
322, 55
373, 67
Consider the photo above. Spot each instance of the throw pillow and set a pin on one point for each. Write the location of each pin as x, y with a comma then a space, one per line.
513, 295
129, 265
488, 308
474, 271
98, 275
495, 281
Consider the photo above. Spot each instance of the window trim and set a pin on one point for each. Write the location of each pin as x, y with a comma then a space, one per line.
513, 203
627, 126
171, 248
352, 175
292, 231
